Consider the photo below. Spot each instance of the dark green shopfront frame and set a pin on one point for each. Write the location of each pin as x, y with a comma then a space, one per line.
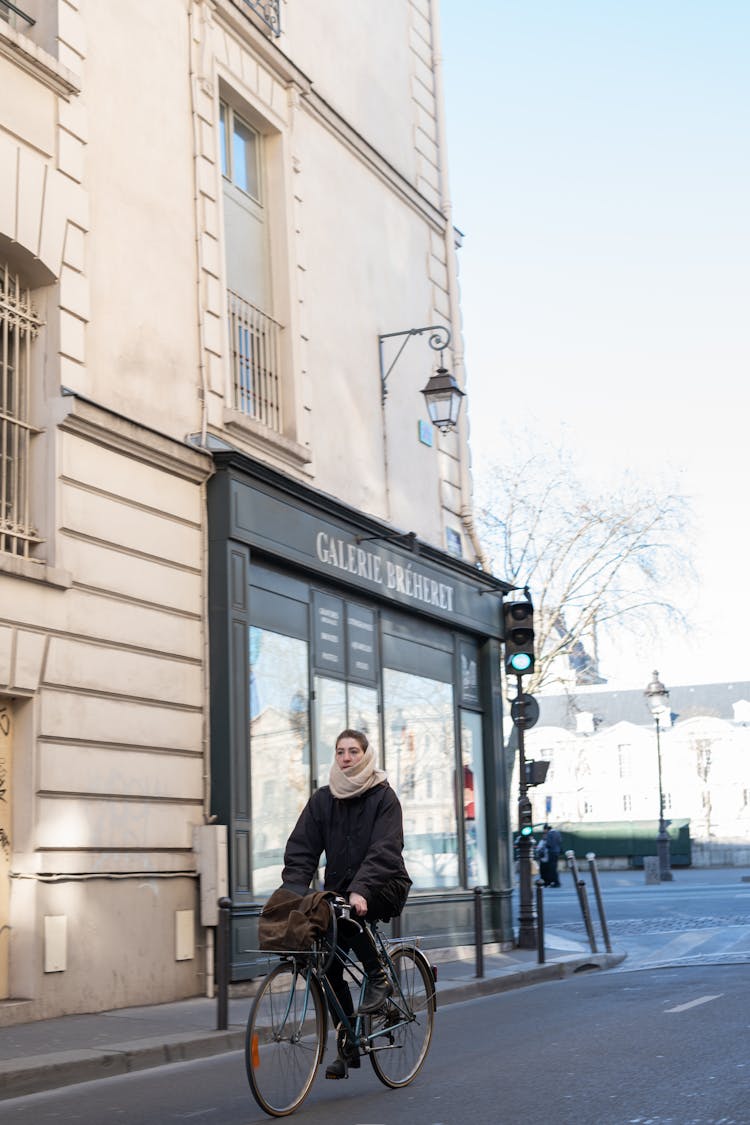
257, 515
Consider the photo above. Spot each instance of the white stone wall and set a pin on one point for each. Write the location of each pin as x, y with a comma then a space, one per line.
111, 210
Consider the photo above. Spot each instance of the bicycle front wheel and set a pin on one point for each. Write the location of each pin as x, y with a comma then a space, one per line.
285, 1038
402, 1032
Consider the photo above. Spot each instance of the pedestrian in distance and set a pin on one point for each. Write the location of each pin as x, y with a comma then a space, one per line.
554, 847
357, 821
542, 857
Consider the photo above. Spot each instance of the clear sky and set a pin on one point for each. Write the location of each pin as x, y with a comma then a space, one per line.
600, 171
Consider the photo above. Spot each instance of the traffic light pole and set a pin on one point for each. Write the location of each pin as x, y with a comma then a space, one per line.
527, 935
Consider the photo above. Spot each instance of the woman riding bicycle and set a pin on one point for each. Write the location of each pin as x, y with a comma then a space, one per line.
356, 820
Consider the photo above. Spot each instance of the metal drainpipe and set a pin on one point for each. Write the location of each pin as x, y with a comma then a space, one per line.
197, 43
196, 32
467, 512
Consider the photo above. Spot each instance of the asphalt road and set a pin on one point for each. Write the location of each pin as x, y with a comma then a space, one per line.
637, 1046
656, 1047
700, 915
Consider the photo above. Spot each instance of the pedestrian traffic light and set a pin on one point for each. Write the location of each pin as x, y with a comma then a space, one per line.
519, 637
525, 820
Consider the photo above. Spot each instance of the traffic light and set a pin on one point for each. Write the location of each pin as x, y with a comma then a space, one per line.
519, 637
536, 772
525, 821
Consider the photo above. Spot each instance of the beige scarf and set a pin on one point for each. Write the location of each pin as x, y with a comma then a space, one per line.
357, 779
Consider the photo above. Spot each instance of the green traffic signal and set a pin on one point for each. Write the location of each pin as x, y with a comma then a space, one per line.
519, 637
525, 817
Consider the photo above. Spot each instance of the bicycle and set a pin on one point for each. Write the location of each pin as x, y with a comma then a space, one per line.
287, 1028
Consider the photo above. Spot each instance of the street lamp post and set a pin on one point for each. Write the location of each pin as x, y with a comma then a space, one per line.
657, 698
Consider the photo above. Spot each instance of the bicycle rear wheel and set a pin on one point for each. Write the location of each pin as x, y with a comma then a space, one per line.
285, 1038
403, 1030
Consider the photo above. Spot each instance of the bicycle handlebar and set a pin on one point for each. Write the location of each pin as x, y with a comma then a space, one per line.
343, 911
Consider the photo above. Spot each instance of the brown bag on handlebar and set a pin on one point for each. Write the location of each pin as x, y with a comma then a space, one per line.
290, 922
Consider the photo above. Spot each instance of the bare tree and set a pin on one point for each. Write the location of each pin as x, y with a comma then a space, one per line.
595, 559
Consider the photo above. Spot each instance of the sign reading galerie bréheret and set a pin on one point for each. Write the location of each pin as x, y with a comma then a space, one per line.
406, 579
299, 534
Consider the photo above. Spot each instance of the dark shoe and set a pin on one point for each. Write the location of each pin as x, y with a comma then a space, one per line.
377, 991
348, 1060
337, 1069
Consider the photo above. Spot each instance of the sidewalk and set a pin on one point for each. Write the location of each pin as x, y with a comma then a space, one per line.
47, 1054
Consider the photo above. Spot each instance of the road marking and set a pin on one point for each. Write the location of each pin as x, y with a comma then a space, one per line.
694, 1003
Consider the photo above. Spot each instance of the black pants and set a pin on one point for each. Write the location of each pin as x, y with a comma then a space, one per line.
363, 945
548, 872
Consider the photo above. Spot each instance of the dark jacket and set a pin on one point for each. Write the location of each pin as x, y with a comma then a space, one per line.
362, 837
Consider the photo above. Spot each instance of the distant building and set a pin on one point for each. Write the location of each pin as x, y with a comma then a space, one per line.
601, 745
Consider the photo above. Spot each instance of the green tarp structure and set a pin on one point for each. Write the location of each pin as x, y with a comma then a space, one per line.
628, 839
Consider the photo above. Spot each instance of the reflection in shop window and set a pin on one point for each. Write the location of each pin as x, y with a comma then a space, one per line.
362, 714
474, 804
330, 720
339, 705
420, 760
279, 747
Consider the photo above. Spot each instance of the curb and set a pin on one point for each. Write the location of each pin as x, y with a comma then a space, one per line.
20, 1077
523, 978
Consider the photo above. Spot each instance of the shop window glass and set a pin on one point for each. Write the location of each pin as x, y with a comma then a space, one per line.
339, 705
474, 806
330, 720
420, 760
362, 714
279, 748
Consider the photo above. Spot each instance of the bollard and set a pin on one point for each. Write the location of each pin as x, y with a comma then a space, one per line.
599, 901
573, 866
478, 932
223, 946
582, 899
396, 927
651, 869
539, 922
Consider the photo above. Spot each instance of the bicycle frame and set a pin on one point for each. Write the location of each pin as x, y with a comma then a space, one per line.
355, 1025
287, 1028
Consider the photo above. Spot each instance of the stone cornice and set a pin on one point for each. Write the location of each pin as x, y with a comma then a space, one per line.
35, 570
288, 453
36, 62
105, 427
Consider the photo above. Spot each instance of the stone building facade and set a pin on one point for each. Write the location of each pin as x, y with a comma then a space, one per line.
210, 211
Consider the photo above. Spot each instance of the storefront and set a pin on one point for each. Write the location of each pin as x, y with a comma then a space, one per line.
322, 618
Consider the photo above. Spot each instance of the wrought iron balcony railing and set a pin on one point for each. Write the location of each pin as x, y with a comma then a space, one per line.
13, 16
254, 338
269, 11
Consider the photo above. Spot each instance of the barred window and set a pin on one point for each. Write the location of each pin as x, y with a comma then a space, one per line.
18, 326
